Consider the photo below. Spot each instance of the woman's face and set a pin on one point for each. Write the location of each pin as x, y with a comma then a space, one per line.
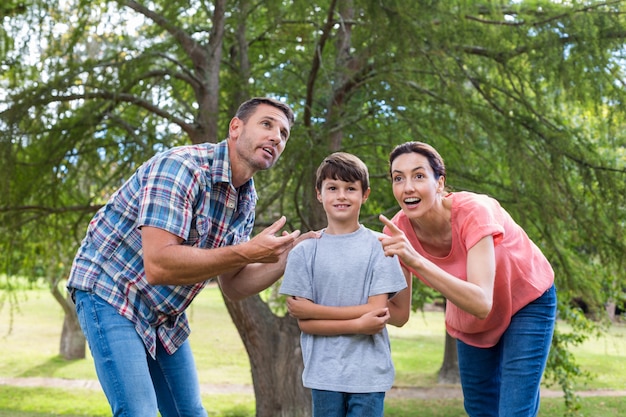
415, 186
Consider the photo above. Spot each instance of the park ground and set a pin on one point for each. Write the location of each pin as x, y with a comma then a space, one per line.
437, 391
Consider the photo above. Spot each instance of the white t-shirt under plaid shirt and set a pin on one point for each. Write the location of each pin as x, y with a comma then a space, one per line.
186, 191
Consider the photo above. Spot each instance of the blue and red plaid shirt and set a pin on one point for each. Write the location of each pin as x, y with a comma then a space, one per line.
186, 191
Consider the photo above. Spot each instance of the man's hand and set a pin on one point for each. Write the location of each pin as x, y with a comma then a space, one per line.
263, 257
266, 247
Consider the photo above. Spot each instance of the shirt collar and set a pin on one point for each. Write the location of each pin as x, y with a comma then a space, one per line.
220, 167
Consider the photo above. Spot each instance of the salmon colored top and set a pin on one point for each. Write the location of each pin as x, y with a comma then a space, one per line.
523, 273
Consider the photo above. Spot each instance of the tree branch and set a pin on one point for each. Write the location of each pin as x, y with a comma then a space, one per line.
193, 49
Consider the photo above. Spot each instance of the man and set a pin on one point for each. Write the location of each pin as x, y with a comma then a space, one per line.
184, 217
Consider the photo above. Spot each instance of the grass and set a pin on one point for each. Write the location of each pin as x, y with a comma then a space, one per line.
29, 345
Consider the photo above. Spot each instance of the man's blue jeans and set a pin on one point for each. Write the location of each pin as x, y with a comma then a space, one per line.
504, 380
134, 383
344, 404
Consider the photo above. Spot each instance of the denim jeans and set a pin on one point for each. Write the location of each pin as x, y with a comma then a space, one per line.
504, 380
135, 384
345, 404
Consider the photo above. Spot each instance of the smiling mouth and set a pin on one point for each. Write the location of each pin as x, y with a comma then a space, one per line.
412, 200
270, 151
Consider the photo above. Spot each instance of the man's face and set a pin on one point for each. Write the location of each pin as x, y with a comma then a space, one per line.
261, 140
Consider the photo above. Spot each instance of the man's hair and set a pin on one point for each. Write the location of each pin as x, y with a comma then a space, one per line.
342, 166
247, 108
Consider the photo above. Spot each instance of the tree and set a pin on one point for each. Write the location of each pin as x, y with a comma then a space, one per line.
523, 99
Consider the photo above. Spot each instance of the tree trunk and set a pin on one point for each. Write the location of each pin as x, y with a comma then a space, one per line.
610, 310
273, 346
449, 371
73, 343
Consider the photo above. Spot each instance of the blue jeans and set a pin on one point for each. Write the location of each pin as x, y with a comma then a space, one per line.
135, 384
504, 380
345, 404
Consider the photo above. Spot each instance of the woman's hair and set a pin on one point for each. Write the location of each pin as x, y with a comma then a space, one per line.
248, 107
344, 167
434, 159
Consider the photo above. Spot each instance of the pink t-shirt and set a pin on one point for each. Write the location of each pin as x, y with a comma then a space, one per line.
522, 271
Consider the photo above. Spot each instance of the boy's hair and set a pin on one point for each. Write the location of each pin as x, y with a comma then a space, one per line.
342, 166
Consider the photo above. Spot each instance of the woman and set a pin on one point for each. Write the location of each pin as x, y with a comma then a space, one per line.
499, 287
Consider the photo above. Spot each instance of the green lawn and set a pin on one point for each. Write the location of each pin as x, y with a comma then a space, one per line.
30, 336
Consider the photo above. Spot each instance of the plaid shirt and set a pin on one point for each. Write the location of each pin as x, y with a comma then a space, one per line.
185, 191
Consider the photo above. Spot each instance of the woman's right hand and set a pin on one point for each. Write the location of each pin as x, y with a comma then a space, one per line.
397, 243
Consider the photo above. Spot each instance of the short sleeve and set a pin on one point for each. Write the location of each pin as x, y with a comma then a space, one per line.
167, 195
478, 216
297, 276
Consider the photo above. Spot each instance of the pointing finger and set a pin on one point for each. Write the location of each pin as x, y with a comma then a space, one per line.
392, 227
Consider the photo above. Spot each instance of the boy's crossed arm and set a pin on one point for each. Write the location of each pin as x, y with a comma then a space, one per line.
321, 320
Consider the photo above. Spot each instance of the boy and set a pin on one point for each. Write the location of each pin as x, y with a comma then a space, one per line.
340, 287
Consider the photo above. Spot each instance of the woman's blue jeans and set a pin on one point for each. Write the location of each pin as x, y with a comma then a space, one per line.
504, 380
135, 384
345, 404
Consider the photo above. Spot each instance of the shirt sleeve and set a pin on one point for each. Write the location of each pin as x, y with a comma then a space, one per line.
479, 218
297, 277
167, 195
388, 276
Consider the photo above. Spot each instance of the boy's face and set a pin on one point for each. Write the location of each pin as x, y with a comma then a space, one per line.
342, 200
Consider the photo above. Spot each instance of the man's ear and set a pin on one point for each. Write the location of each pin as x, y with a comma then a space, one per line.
234, 127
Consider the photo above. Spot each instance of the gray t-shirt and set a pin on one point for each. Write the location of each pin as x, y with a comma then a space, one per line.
344, 270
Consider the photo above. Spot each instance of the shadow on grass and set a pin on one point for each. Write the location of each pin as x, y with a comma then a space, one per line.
47, 368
